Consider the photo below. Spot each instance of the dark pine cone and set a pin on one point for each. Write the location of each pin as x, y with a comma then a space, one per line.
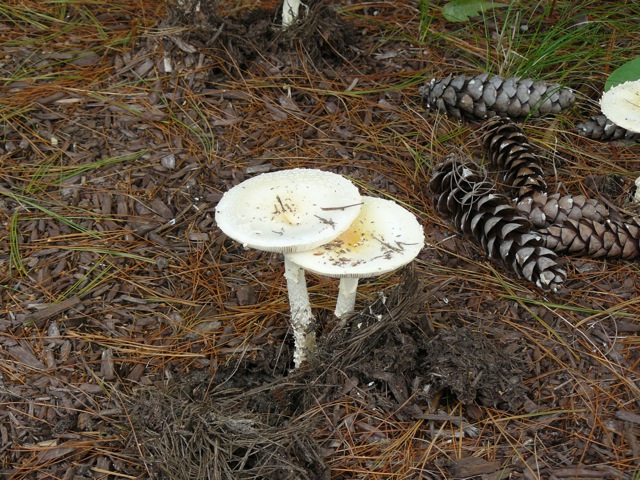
469, 199
599, 127
508, 149
610, 239
484, 96
543, 210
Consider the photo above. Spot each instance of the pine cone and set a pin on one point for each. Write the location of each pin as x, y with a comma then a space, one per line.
485, 96
599, 127
544, 210
509, 149
469, 199
610, 239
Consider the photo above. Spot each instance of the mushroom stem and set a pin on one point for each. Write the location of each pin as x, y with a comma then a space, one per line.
302, 320
346, 297
290, 12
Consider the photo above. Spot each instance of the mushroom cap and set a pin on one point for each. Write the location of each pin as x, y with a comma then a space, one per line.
621, 105
383, 238
289, 210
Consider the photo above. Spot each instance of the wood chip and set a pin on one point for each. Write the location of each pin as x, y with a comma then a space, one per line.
161, 208
53, 453
25, 356
472, 466
107, 368
626, 416
51, 310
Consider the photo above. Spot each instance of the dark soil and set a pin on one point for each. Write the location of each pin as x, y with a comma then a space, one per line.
252, 40
240, 423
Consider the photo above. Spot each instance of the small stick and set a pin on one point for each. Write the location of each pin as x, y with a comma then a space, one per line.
341, 208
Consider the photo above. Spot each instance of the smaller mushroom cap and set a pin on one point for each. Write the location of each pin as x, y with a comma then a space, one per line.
383, 238
289, 210
621, 105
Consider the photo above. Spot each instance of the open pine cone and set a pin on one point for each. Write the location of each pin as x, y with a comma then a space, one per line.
608, 239
508, 149
469, 199
599, 127
485, 95
544, 210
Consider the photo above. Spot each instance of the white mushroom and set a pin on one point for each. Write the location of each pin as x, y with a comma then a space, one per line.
290, 211
621, 105
290, 12
636, 195
383, 238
